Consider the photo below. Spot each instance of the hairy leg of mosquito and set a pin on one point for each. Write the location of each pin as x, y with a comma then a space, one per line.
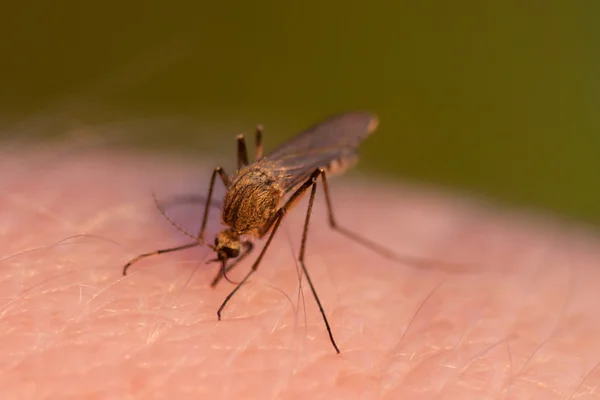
157, 252
314, 178
223, 273
226, 182
258, 152
280, 214
359, 239
242, 152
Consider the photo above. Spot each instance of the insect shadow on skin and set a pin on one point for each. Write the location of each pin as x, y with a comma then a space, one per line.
251, 207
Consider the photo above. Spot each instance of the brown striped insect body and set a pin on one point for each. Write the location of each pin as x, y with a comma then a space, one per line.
260, 193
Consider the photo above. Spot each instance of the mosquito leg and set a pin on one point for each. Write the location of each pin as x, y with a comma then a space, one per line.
357, 238
258, 153
157, 252
226, 182
406, 259
311, 199
403, 258
248, 248
242, 152
279, 217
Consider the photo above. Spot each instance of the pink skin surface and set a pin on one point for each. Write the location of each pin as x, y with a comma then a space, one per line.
520, 321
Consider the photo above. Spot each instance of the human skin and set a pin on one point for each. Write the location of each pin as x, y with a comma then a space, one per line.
508, 308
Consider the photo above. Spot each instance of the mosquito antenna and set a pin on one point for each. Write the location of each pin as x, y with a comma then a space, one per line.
164, 214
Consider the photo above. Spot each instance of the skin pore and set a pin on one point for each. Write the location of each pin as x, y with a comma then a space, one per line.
520, 321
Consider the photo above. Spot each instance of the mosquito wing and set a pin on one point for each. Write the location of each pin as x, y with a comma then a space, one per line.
331, 144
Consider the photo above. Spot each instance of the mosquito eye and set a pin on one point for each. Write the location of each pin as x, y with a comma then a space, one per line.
231, 253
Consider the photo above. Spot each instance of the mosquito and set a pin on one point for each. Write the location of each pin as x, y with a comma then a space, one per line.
261, 193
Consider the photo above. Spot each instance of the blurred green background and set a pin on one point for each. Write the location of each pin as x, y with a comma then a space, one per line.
497, 98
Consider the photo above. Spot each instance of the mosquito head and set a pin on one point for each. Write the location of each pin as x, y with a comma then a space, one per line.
227, 245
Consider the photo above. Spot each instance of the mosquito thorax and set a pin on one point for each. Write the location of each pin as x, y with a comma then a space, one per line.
252, 199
